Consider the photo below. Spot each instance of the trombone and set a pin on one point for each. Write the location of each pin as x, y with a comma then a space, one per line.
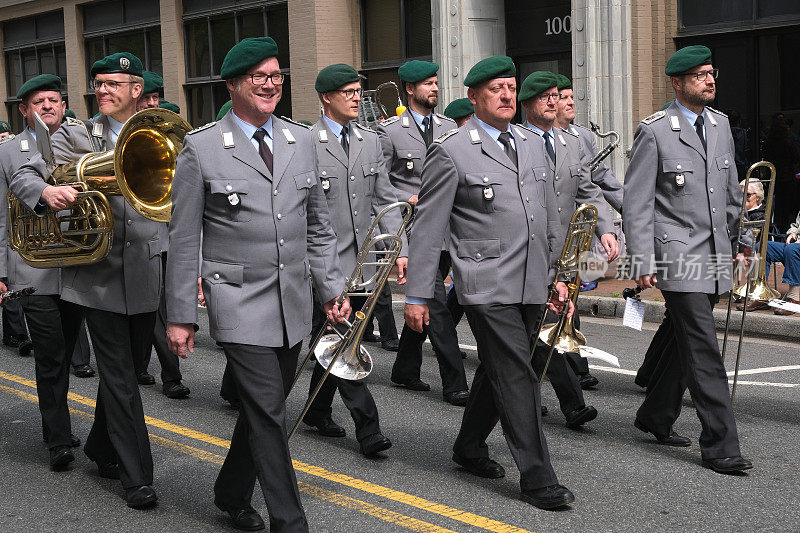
563, 335
341, 354
754, 287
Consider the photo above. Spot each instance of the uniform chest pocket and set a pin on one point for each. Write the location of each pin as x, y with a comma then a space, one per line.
676, 174
232, 196
670, 240
411, 158
480, 257
483, 189
540, 183
329, 180
303, 183
575, 171
222, 286
724, 162
370, 171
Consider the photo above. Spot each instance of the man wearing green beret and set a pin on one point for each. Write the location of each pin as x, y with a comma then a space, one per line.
353, 177
5, 129
485, 192
682, 203
53, 323
566, 164
119, 295
405, 140
224, 110
152, 90
459, 110
249, 184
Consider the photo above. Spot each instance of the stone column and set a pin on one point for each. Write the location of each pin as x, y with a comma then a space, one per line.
76, 59
601, 71
464, 32
172, 53
4, 84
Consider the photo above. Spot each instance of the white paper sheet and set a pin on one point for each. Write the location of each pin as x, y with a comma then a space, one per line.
589, 352
634, 314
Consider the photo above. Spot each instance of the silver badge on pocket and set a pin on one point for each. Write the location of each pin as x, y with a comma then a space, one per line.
410, 165
680, 180
326, 185
233, 198
488, 193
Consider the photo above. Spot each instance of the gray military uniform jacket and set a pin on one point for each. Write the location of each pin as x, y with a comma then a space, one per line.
682, 203
263, 235
602, 176
505, 231
404, 150
128, 281
15, 151
356, 189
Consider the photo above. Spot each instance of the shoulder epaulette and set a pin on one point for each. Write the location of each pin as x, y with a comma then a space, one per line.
573, 133
287, 119
717, 112
524, 127
201, 128
361, 126
445, 117
581, 126
655, 116
74, 122
390, 120
5, 140
443, 137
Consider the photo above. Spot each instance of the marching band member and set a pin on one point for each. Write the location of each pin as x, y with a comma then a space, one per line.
248, 182
487, 183
682, 203
405, 140
459, 110
353, 177
118, 295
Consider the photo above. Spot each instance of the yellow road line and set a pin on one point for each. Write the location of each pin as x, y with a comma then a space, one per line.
402, 497
374, 511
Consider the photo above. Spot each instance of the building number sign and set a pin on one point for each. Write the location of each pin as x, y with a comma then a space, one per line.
557, 25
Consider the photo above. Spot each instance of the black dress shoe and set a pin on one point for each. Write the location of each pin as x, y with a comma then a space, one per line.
480, 466
141, 497
369, 336
392, 345
728, 465
83, 371
60, 456
373, 444
243, 519
413, 384
551, 497
458, 398
14, 340
326, 426
588, 382
673, 439
578, 417
74, 441
105, 469
25, 348
145, 379
175, 390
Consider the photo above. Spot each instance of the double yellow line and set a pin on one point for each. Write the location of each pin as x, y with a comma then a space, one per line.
347, 502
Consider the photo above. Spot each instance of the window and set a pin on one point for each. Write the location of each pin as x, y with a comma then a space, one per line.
32, 46
739, 14
211, 33
393, 31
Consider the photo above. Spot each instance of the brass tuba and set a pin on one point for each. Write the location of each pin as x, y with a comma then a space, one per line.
140, 168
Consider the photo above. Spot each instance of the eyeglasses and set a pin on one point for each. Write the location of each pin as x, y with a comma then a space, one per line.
349, 94
111, 85
261, 79
751, 194
548, 97
702, 74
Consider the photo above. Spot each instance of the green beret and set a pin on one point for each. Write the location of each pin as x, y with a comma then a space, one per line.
121, 62
246, 54
169, 106
489, 69
537, 83
686, 58
416, 70
665, 106
306, 122
42, 82
334, 76
459, 108
152, 82
69, 113
224, 109
5, 127
563, 82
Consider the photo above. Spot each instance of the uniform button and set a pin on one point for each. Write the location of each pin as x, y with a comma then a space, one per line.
127, 244
275, 192
355, 213
531, 217
280, 266
281, 242
544, 175
373, 170
678, 167
409, 155
352, 178
559, 209
130, 222
713, 209
478, 255
556, 178
228, 188
726, 161
324, 173
527, 199
485, 179
356, 231
354, 195
279, 216
715, 230
521, 183
216, 276
533, 235
558, 193
711, 189
665, 235
308, 180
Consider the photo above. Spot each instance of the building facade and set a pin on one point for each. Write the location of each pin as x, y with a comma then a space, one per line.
615, 50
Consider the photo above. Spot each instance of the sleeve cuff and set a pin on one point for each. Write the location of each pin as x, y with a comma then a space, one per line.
413, 300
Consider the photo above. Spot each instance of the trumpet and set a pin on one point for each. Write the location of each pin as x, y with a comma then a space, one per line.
341, 353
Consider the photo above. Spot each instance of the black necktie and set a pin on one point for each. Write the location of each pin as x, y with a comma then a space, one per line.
427, 135
505, 140
698, 126
549, 147
263, 148
345, 142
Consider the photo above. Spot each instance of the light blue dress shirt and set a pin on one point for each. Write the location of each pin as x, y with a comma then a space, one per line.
691, 116
335, 128
249, 130
116, 128
419, 118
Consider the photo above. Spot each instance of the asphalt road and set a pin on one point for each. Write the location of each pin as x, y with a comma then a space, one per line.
621, 479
